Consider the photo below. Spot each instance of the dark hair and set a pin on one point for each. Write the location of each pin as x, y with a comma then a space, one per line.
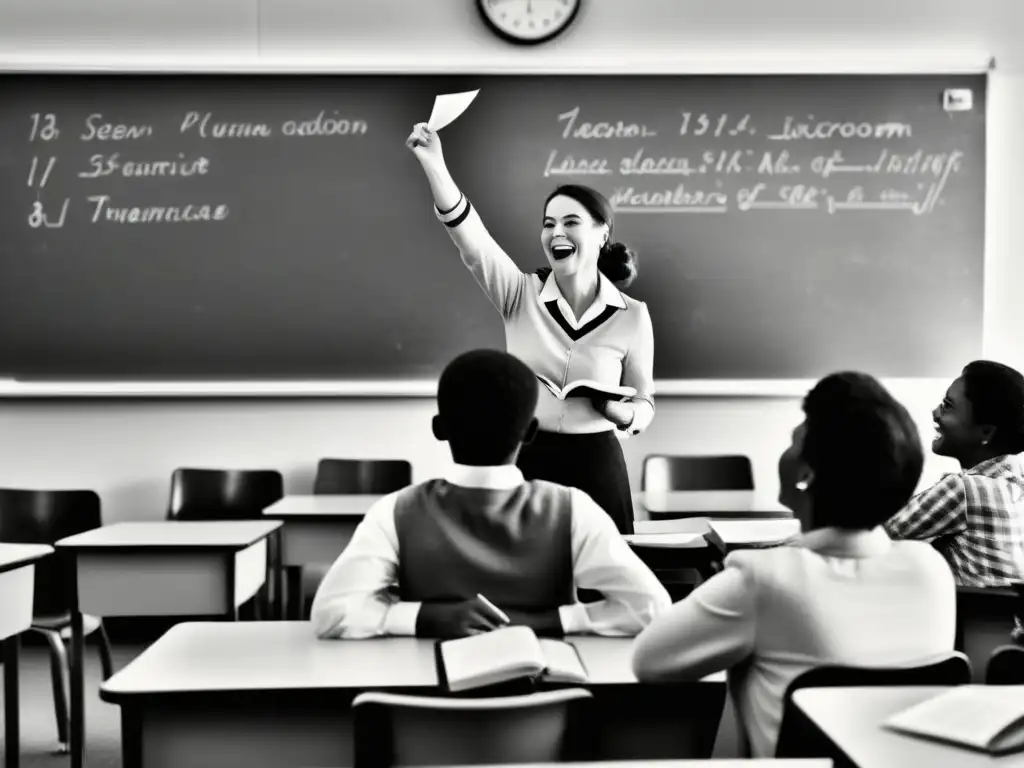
996, 392
485, 400
864, 449
616, 261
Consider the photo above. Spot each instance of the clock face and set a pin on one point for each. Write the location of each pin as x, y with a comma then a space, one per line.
528, 21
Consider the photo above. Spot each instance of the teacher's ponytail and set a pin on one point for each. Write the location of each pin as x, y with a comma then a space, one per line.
617, 262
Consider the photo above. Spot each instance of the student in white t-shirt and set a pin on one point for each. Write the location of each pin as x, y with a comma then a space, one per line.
846, 594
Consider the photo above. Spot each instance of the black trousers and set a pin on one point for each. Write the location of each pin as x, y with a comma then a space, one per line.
591, 462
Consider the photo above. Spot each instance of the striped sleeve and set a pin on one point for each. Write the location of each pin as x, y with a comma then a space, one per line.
495, 272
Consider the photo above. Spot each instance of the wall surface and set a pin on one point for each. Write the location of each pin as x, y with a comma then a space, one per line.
127, 450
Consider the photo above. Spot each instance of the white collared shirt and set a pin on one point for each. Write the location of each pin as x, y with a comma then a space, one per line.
358, 596
839, 597
612, 343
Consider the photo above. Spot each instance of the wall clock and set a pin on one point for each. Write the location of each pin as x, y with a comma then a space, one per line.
528, 22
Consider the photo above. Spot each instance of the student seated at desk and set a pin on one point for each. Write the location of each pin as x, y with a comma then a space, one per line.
845, 594
976, 517
420, 557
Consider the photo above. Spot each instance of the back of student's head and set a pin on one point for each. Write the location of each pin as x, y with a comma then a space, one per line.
864, 450
485, 401
996, 393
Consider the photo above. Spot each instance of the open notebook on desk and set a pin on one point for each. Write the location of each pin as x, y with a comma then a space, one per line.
504, 655
986, 718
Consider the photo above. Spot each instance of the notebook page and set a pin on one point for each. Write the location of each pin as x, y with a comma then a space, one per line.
563, 662
968, 714
493, 657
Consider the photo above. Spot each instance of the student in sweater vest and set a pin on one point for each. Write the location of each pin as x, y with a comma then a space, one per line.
420, 557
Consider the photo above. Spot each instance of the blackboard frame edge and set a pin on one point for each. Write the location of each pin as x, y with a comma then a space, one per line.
787, 389
826, 63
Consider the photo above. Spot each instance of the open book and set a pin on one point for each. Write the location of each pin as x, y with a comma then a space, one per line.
587, 388
509, 653
981, 717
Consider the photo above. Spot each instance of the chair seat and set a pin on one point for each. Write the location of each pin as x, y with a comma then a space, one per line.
61, 622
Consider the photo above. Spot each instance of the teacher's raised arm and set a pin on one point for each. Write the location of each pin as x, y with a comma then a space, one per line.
497, 274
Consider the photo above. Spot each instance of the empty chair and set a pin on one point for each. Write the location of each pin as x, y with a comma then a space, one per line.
1005, 666
372, 476
799, 738
984, 622
223, 494
43, 517
228, 494
395, 730
697, 473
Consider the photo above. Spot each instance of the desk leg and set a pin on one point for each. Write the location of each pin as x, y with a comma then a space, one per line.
77, 691
278, 576
12, 727
131, 737
296, 600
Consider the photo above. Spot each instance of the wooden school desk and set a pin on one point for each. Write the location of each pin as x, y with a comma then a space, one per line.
165, 568
272, 694
852, 720
651, 505
17, 581
316, 529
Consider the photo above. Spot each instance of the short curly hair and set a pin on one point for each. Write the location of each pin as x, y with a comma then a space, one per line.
864, 449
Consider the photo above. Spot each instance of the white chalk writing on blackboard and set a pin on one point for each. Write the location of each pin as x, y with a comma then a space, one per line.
809, 128
99, 130
601, 129
575, 166
204, 124
322, 125
700, 125
103, 165
189, 213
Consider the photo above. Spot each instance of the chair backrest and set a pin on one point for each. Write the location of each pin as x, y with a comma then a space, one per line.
375, 476
223, 494
1005, 666
796, 739
396, 730
43, 517
984, 622
697, 473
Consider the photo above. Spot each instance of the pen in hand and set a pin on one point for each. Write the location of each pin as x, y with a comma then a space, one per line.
497, 611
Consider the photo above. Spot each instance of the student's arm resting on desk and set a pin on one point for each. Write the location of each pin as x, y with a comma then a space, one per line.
604, 562
638, 372
710, 630
357, 598
937, 511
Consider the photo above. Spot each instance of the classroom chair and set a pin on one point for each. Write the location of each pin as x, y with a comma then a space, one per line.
396, 729
984, 622
43, 517
1005, 666
797, 735
228, 494
697, 473
372, 476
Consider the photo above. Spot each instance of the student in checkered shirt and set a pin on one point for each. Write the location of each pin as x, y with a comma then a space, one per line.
976, 517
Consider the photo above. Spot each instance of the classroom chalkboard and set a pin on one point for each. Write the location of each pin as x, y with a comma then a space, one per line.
224, 227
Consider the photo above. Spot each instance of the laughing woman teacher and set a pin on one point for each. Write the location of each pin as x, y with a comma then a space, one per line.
568, 322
